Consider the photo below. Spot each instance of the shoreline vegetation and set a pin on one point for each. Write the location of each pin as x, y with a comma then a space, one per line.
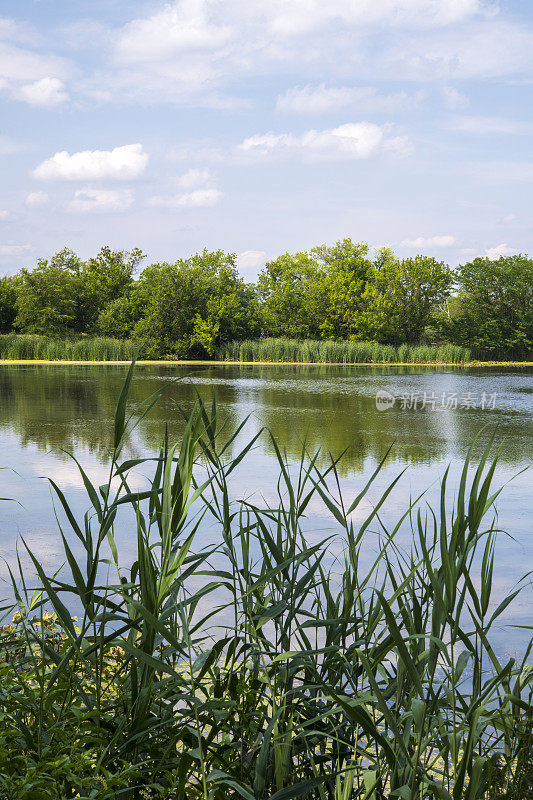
216, 363
344, 303
262, 663
27, 349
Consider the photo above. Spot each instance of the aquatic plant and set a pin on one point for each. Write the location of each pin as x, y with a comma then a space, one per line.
310, 351
265, 663
83, 348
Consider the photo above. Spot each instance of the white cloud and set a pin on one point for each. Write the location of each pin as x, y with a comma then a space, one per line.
322, 99
177, 27
98, 200
36, 199
493, 253
121, 163
297, 16
197, 189
453, 98
22, 66
251, 260
486, 49
44, 93
353, 140
4, 214
8, 250
195, 199
25, 74
430, 241
189, 51
482, 125
196, 179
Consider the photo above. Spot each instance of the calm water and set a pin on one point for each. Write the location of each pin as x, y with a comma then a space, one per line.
47, 410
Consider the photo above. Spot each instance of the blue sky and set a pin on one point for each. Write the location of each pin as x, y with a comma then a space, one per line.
264, 127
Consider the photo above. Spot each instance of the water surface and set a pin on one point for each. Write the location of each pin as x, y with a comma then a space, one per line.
48, 411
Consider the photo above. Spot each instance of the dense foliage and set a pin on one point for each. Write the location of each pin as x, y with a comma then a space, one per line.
494, 312
197, 306
268, 664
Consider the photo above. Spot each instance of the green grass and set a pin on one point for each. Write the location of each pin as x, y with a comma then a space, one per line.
309, 351
15, 347
263, 665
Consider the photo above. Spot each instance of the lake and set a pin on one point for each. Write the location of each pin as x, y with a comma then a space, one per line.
429, 415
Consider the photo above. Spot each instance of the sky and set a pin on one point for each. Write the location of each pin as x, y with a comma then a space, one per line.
265, 127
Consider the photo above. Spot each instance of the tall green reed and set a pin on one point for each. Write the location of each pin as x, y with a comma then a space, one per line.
264, 665
310, 351
17, 346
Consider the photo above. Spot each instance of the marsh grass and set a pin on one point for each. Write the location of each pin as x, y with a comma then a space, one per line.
263, 665
310, 351
83, 348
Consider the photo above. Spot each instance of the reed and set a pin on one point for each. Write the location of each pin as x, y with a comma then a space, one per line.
262, 665
84, 348
309, 351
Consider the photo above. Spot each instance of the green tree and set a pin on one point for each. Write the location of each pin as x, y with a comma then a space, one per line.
347, 268
291, 290
48, 296
495, 306
315, 294
118, 318
8, 301
401, 298
190, 307
104, 280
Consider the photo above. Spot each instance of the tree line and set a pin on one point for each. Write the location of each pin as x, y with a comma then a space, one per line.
343, 292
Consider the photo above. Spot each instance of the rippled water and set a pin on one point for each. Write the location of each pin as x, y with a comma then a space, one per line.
47, 410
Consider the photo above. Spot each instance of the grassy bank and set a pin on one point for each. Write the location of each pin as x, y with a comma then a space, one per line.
309, 351
26, 347
14, 347
264, 665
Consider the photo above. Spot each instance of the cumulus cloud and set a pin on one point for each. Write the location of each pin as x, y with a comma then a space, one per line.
121, 163
196, 179
322, 99
487, 49
482, 125
26, 74
353, 140
430, 241
190, 51
197, 189
297, 16
500, 250
101, 200
36, 199
44, 93
251, 260
178, 26
8, 250
233, 30
195, 199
